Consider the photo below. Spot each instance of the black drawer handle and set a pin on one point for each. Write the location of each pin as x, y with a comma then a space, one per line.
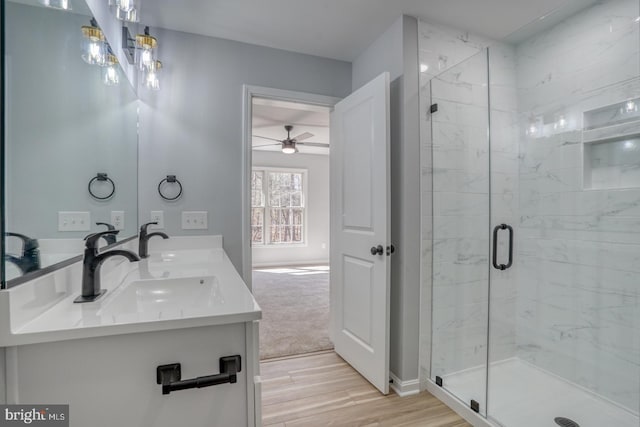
495, 247
170, 375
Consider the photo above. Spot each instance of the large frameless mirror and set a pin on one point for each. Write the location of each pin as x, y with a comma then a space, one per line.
69, 137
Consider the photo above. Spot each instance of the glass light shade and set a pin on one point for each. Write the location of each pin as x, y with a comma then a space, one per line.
131, 16
57, 4
110, 75
289, 148
151, 76
126, 10
146, 47
94, 46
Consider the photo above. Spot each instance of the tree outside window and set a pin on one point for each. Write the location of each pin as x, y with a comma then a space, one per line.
277, 207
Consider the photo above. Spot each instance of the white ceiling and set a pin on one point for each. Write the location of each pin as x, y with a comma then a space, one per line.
339, 29
270, 116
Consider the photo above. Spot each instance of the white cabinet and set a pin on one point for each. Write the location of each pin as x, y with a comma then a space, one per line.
111, 381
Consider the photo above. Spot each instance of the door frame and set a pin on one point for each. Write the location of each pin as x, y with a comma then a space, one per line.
250, 92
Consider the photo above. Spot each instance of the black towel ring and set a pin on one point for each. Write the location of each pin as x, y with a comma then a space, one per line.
172, 180
102, 177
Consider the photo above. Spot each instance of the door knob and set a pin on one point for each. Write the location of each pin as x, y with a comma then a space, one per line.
377, 250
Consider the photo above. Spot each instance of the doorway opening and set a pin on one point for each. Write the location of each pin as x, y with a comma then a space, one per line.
288, 221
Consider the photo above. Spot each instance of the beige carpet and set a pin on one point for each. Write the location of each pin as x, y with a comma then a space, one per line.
295, 310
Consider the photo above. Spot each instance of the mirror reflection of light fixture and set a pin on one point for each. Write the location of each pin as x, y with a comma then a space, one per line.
146, 47
94, 46
110, 76
126, 10
289, 146
151, 78
57, 4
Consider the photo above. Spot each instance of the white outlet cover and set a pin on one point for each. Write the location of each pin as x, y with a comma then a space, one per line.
195, 220
157, 216
117, 219
74, 221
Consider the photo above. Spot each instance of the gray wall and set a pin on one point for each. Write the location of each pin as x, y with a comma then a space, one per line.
192, 127
316, 248
396, 51
63, 126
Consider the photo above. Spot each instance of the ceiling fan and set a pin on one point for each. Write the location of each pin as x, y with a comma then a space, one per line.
289, 144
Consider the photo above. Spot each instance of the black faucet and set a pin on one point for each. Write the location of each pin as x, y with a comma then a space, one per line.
29, 260
93, 261
109, 238
143, 240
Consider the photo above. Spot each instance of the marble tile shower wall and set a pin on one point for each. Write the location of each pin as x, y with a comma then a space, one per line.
571, 304
455, 178
578, 257
440, 48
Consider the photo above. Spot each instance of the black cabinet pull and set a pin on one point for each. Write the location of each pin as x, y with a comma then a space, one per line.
170, 375
495, 247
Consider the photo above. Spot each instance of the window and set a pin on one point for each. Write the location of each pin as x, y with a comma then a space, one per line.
277, 206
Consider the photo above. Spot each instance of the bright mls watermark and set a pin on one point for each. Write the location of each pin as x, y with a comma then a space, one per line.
34, 415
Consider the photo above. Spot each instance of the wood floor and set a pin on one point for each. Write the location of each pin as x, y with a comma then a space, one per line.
323, 390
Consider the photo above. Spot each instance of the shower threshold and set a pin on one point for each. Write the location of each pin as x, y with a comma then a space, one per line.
524, 395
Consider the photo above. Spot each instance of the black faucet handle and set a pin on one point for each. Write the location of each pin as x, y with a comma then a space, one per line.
110, 227
92, 239
143, 227
28, 243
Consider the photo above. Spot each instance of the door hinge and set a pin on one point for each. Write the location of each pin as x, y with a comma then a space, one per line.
434, 108
439, 381
475, 406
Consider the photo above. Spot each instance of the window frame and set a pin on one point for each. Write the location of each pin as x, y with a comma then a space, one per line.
266, 217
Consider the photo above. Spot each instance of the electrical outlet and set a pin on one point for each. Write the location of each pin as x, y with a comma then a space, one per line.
157, 216
195, 220
117, 219
74, 221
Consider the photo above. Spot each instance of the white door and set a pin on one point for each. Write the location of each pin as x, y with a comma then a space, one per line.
359, 226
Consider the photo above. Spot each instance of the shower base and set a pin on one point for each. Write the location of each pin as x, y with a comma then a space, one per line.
523, 395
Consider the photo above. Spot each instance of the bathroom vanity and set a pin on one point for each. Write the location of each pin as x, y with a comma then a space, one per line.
184, 304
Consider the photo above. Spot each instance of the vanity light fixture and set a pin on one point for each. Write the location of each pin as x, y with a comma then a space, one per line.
151, 76
146, 47
57, 4
110, 76
126, 10
94, 46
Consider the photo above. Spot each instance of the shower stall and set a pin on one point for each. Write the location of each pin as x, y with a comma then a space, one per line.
531, 220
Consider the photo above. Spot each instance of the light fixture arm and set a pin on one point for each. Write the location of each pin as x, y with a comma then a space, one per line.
129, 45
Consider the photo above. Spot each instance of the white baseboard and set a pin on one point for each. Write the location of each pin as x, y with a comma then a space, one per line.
404, 388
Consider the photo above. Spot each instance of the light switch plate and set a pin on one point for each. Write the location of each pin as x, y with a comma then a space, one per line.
74, 221
195, 220
157, 216
117, 219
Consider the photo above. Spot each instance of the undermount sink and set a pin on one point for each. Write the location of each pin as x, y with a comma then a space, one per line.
165, 295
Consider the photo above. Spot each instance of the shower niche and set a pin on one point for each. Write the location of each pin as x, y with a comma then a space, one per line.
611, 151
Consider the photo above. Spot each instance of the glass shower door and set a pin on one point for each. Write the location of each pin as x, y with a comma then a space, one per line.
564, 333
460, 155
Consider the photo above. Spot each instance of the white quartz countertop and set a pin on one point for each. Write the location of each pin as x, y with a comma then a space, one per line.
186, 282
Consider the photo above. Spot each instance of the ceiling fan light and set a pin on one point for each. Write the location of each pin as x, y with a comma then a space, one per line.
288, 149
289, 146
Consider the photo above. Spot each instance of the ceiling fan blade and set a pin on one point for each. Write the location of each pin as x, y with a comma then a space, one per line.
314, 144
303, 136
265, 137
266, 145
